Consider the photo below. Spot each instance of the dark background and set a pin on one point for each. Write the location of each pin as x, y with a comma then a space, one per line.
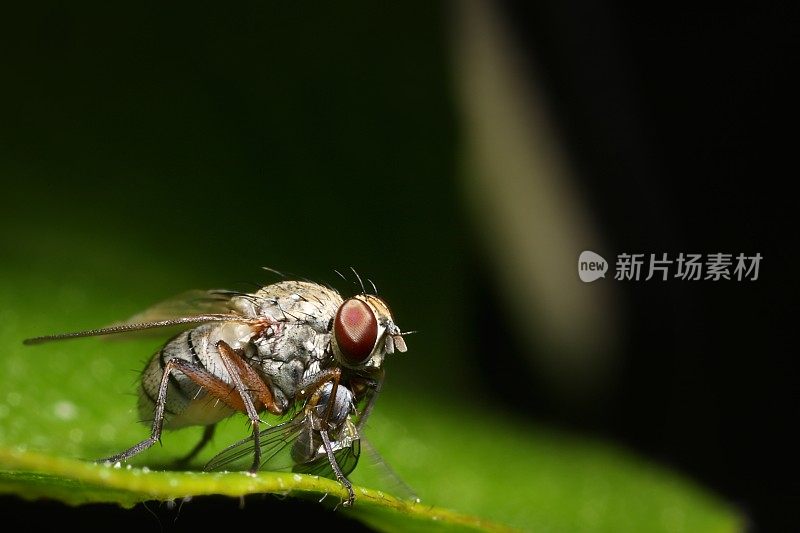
335, 130
678, 120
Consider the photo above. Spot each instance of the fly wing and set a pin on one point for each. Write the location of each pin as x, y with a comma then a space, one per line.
276, 446
275, 442
183, 311
189, 303
346, 457
366, 400
383, 475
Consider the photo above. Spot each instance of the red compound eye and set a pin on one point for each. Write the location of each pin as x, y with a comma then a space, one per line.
356, 330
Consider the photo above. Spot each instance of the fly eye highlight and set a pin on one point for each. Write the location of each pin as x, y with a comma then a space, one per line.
356, 330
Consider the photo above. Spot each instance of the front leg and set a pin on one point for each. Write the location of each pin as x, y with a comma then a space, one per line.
309, 385
312, 386
326, 442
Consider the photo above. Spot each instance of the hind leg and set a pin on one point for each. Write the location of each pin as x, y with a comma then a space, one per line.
199, 375
208, 434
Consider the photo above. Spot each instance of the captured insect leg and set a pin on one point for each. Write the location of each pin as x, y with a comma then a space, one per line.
208, 433
239, 372
326, 441
197, 374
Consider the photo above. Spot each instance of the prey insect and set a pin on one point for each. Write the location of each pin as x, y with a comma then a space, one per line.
295, 349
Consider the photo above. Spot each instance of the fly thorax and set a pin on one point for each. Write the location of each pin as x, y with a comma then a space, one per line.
294, 341
282, 375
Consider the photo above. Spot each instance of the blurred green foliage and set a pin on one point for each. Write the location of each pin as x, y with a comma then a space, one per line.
73, 400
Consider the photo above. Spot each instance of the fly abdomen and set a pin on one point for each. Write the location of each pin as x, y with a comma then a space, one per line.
187, 403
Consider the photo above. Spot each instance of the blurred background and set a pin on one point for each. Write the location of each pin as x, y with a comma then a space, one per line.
461, 155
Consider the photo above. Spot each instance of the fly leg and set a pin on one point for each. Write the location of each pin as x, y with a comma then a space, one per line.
197, 374
246, 380
313, 384
208, 433
326, 441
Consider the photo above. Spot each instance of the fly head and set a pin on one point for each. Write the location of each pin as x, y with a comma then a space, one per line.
364, 332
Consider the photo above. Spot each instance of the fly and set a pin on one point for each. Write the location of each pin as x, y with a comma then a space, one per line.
295, 349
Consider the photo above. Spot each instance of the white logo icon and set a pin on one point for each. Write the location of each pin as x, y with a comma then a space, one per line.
591, 266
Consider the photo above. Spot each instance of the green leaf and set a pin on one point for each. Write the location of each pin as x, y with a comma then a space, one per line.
475, 468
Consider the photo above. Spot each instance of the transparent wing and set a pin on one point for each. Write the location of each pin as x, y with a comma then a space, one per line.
277, 442
275, 448
189, 303
371, 388
186, 310
384, 475
347, 458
